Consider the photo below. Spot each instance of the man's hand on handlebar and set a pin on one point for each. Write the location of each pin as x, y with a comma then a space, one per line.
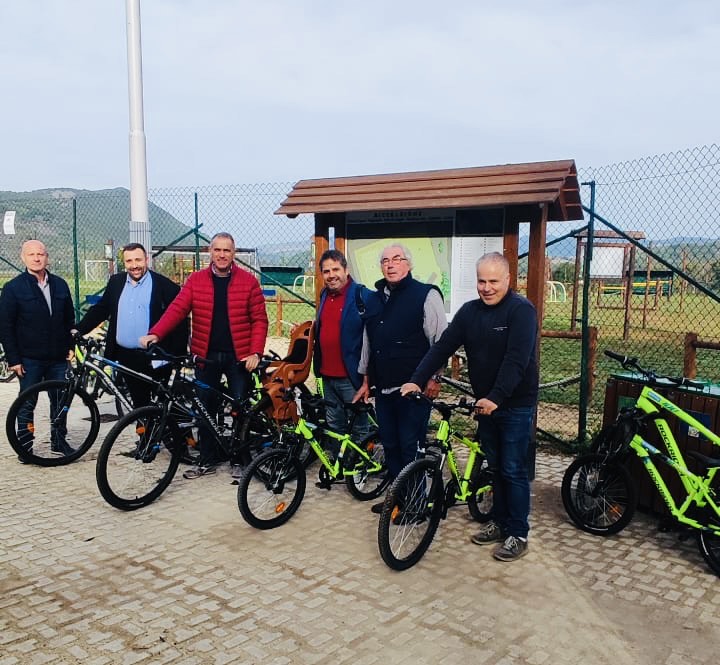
148, 340
409, 389
251, 361
485, 407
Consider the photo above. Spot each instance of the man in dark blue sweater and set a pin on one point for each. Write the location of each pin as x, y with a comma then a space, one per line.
499, 332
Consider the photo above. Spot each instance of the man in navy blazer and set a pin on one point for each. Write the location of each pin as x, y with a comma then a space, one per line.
133, 301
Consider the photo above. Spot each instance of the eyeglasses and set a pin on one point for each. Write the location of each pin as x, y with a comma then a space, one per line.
394, 260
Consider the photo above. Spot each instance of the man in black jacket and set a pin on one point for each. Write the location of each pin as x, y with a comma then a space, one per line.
499, 332
36, 316
132, 302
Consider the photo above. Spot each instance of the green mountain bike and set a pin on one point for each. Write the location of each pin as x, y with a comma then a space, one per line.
420, 496
598, 493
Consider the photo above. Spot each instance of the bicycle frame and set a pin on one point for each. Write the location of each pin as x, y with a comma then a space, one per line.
697, 488
335, 469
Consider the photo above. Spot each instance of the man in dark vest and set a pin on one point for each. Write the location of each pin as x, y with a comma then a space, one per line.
411, 320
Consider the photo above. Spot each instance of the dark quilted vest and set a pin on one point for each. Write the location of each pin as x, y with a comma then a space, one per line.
397, 339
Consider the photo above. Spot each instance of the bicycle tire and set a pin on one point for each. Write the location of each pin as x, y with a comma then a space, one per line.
480, 502
709, 545
411, 514
366, 484
138, 458
269, 499
259, 433
64, 423
598, 495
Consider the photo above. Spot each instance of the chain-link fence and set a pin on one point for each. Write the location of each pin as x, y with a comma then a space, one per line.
654, 278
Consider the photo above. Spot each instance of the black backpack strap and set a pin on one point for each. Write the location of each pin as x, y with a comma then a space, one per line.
359, 302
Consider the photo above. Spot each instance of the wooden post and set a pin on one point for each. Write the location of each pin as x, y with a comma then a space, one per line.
682, 283
279, 310
592, 355
536, 264
628, 290
511, 243
690, 356
647, 292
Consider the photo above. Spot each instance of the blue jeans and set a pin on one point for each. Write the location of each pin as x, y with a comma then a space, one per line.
35, 372
505, 437
340, 392
403, 426
211, 374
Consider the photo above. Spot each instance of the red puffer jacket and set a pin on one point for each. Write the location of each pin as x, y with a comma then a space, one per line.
246, 311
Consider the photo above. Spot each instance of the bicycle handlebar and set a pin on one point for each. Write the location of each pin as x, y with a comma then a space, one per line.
629, 362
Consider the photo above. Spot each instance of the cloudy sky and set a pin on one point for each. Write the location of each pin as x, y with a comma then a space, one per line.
249, 91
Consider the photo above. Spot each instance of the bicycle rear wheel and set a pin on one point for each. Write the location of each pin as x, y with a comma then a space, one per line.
411, 514
480, 502
709, 544
138, 459
599, 495
52, 423
271, 489
366, 483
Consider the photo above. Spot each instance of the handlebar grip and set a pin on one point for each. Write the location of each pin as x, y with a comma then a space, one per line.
689, 383
616, 356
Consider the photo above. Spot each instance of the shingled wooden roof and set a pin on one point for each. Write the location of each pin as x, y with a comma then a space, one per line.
554, 183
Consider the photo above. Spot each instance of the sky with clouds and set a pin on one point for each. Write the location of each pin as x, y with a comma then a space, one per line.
245, 91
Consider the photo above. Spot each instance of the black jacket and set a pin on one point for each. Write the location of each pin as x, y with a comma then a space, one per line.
500, 343
106, 309
27, 330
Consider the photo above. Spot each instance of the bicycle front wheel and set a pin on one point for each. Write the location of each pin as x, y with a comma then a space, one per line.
52, 423
411, 514
599, 495
138, 458
480, 502
271, 489
367, 482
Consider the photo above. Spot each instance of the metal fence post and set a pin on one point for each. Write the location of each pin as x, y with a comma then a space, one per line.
585, 347
76, 260
197, 234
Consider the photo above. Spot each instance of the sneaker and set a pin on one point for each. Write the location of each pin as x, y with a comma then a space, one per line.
61, 449
513, 548
490, 533
198, 471
376, 508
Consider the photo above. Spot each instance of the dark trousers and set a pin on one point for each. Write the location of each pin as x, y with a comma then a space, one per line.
505, 437
403, 426
211, 374
140, 391
35, 372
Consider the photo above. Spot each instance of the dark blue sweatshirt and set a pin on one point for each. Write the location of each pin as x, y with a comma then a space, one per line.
500, 344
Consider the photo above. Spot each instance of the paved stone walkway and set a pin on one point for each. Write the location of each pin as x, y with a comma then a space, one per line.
186, 581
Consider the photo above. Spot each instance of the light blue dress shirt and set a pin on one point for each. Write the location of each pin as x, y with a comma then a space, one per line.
133, 318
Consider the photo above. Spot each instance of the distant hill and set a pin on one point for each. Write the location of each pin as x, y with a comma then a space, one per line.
47, 214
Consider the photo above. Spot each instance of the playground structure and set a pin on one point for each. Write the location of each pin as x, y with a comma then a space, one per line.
613, 273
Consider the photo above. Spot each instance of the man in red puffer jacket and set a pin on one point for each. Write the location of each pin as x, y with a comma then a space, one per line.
229, 326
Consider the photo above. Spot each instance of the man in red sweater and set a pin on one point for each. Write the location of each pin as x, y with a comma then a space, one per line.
229, 326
